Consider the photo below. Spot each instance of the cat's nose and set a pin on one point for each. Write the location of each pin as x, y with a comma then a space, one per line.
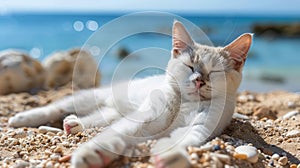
199, 83
197, 79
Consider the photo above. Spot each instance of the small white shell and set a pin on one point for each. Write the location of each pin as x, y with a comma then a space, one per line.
250, 151
293, 133
45, 129
290, 114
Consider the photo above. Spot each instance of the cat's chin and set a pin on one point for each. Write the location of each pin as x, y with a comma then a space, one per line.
195, 96
192, 96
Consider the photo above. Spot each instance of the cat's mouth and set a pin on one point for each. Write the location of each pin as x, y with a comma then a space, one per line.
197, 93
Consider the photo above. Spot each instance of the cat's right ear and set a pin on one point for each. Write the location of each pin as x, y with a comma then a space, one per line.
181, 39
238, 50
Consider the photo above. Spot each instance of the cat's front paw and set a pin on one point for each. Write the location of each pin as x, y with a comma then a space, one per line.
91, 157
17, 121
173, 158
72, 125
30, 118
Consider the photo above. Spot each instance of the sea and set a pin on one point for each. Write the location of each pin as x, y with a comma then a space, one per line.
273, 63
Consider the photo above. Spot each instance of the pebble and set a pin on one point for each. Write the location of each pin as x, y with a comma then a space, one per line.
20, 134
262, 112
291, 104
60, 133
49, 165
16, 155
65, 158
21, 164
275, 156
230, 148
45, 129
280, 139
206, 147
39, 166
65, 143
222, 157
271, 163
240, 156
34, 162
194, 156
249, 151
240, 116
216, 147
57, 150
55, 157
293, 133
51, 133
7, 160
242, 99
246, 98
283, 160
228, 166
293, 166
217, 162
290, 114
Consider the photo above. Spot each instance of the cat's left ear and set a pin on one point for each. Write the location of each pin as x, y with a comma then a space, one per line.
238, 50
180, 38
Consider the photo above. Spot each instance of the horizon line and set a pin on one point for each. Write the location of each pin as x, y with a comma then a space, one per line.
124, 12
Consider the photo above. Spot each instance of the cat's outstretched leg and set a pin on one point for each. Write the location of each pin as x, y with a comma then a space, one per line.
171, 152
109, 144
99, 118
81, 103
96, 153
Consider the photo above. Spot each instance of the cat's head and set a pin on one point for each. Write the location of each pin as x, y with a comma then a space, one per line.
202, 72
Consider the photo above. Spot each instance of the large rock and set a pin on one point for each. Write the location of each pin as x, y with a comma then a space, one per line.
77, 66
19, 72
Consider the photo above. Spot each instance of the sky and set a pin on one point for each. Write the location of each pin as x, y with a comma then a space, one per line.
278, 7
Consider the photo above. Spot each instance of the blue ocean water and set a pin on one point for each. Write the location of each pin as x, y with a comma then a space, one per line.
42, 34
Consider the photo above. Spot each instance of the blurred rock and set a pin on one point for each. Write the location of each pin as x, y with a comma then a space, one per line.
264, 112
277, 30
76, 66
19, 72
272, 78
123, 52
245, 98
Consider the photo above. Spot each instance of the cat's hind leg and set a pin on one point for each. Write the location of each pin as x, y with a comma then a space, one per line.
171, 151
111, 142
81, 103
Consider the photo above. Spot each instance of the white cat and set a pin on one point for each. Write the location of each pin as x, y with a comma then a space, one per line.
192, 102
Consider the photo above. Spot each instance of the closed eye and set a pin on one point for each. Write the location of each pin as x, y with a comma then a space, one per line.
192, 68
214, 72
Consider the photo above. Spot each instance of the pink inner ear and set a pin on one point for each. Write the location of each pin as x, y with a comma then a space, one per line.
180, 38
178, 44
239, 48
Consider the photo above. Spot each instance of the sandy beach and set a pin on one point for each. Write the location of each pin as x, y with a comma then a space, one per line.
268, 121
